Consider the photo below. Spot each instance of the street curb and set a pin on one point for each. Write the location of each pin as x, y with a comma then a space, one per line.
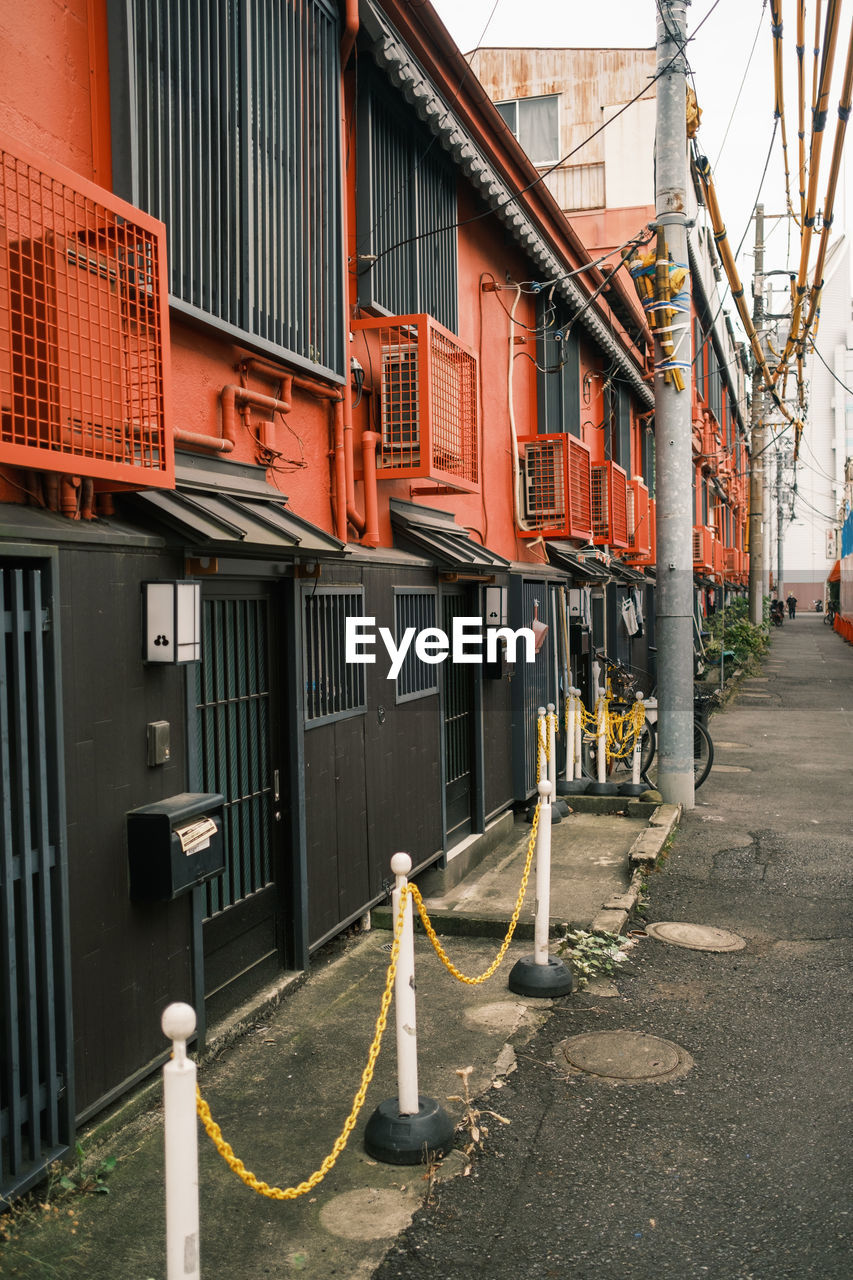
642, 856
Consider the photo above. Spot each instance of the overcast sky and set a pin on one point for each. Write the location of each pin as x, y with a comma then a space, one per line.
718, 57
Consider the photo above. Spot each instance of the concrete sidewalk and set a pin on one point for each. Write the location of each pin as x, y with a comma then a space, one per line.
282, 1091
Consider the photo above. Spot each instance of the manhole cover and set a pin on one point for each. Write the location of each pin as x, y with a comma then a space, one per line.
698, 937
627, 1057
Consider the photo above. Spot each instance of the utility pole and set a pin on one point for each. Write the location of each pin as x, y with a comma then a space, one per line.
757, 440
780, 523
673, 428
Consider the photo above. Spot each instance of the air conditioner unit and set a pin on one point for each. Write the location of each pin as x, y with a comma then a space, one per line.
544, 499
400, 398
427, 386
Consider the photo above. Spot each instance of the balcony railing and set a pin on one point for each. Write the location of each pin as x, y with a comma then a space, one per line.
83, 340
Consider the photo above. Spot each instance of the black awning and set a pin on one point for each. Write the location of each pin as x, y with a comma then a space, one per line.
581, 564
625, 573
229, 509
436, 534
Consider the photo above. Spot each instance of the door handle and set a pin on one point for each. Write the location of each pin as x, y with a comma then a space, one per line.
276, 786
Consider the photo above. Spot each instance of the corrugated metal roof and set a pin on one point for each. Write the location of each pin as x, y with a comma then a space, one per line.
438, 535
578, 563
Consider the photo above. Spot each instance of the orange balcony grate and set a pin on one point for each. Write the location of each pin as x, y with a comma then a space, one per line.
83, 348
609, 505
427, 386
555, 479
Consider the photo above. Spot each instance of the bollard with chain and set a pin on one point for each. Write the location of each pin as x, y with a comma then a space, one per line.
636, 786
573, 784
408, 1129
601, 787
542, 974
181, 1141
558, 805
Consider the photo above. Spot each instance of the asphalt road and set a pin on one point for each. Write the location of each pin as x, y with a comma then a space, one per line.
740, 1168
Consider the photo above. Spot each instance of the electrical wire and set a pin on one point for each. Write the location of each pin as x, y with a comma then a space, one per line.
513, 197
742, 83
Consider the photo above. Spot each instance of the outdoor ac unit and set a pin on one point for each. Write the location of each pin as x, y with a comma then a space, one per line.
401, 429
544, 497
67, 391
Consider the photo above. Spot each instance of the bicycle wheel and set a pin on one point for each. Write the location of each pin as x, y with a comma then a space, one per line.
703, 757
620, 768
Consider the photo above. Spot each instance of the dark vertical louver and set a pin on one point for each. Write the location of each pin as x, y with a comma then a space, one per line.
406, 210
232, 113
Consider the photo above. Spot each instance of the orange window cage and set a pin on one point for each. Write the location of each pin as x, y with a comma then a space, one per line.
83, 343
424, 400
609, 505
556, 493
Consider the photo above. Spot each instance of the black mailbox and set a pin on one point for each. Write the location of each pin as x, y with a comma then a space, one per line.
175, 844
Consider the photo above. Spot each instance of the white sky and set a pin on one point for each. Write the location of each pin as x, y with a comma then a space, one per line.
718, 58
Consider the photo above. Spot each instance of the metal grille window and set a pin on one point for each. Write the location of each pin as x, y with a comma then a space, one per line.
414, 609
225, 119
558, 378
406, 210
333, 687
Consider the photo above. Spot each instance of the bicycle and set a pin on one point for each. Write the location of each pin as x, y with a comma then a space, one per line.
629, 682
829, 616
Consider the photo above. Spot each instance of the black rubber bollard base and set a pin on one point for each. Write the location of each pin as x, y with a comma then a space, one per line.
527, 978
574, 788
603, 789
632, 788
396, 1139
561, 807
555, 814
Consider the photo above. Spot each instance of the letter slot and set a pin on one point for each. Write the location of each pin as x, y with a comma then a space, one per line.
174, 845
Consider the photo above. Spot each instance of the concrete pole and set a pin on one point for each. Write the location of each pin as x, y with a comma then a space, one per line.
757, 566
780, 526
673, 431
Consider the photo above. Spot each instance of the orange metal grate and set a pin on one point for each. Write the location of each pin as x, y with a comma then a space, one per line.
83, 303
427, 385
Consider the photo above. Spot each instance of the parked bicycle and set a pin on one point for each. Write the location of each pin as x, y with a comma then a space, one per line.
624, 683
829, 616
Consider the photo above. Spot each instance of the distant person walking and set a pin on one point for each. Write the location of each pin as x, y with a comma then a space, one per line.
792, 606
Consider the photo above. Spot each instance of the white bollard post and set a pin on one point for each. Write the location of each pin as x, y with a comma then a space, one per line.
181, 1140
552, 748
601, 742
541, 741
578, 732
541, 974
404, 994
542, 921
569, 712
409, 1128
638, 751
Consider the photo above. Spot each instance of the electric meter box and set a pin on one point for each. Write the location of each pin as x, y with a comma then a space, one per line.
174, 845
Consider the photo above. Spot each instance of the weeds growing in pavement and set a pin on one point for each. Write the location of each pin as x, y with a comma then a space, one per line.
472, 1122
594, 955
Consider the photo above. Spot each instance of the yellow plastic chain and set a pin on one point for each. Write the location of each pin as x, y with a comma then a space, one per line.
292, 1193
431, 934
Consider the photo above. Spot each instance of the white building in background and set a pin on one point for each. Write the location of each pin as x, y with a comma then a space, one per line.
809, 544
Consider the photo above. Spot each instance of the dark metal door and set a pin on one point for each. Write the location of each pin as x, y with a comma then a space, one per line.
238, 754
36, 1093
458, 728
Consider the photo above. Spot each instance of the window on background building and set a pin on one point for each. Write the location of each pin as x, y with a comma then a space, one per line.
536, 124
225, 126
406, 209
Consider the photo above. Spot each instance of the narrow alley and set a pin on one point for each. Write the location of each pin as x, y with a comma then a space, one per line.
740, 1168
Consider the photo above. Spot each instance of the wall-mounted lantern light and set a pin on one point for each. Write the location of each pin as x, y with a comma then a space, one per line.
171, 621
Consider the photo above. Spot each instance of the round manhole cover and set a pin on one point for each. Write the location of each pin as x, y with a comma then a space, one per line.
698, 937
627, 1057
